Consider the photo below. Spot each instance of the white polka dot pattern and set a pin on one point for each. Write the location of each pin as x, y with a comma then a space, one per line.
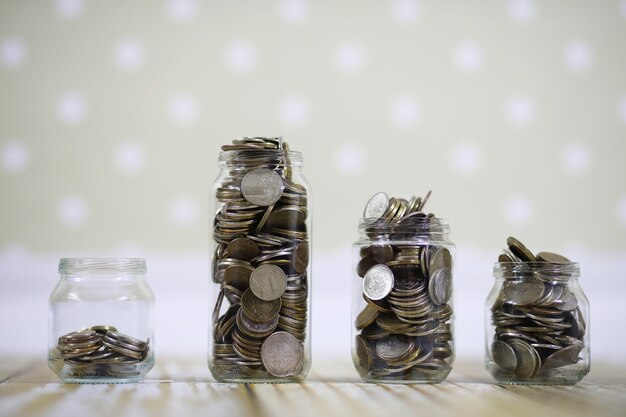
513, 113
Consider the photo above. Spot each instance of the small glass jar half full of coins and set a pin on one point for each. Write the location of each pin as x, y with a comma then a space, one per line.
402, 308
101, 321
536, 319
260, 272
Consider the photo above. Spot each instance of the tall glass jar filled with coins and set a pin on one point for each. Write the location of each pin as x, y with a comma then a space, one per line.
536, 319
261, 269
402, 310
101, 321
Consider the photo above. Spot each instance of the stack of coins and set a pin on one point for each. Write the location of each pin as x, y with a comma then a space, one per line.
102, 351
260, 263
404, 331
539, 326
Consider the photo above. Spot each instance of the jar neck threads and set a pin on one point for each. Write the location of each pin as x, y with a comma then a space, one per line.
127, 266
407, 228
544, 271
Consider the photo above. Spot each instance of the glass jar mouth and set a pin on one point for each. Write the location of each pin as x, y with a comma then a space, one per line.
99, 265
413, 224
545, 271
277, 157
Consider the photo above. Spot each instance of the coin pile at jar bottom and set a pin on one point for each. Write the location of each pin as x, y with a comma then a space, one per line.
260, 263
539, 326
102, 351
404, 331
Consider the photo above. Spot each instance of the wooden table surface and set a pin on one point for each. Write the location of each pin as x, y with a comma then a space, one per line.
177, 387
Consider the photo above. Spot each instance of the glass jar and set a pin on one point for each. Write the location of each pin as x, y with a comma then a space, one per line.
261, 269
402, 309
537, 324
101, 321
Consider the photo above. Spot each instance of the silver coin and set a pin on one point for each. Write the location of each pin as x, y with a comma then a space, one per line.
376, 206
440, 286
262, 187
378, 282
282, 354
503, 355
268, 282
562, 357
523, 292
528, 360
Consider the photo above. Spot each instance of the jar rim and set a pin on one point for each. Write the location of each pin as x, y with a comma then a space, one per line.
287, 157
81, 265
544, 270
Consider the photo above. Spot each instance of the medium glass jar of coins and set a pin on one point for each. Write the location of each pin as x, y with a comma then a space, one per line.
402, 310
260, 272
101, 315
536, 319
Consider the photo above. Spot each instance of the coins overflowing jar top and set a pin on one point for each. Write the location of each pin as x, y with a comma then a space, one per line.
401, 219
259, 152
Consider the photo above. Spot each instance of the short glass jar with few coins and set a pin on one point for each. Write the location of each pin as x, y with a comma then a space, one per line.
402, 310
101, 321
261, 270
536, 319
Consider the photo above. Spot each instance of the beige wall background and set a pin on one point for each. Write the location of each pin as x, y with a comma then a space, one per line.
513, 112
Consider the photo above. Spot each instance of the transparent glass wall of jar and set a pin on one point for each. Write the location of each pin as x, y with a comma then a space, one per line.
261, 271
536, 320
101, 321
402, 309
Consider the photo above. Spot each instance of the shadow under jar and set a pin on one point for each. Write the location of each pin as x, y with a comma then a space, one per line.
101, 321
402, 308
537, 324
260, 274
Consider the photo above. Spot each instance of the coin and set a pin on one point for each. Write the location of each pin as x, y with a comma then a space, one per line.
243, 248
439, 286
301, 257
363, 353
394, 347
257, 309
552, 258
528, 362
503, 355
378, 282
523, 292
262, 187
520, 250
366, 317
282, 354
376, 206
268, 282
563, 357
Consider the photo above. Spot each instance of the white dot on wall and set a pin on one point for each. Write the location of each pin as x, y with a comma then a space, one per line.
521, 11
71, 108
69, 9
576, 158
241, 56
468, 56
293, 11
620, 211
15, 156
518, 211
129, 158
13, 52
404, 112
183, 109
128, 55
181, 10
183, 211
519, 110
621, 109
578, 56
466, 158
293, 110
73, 211
350, 159
405, 12
350, 57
